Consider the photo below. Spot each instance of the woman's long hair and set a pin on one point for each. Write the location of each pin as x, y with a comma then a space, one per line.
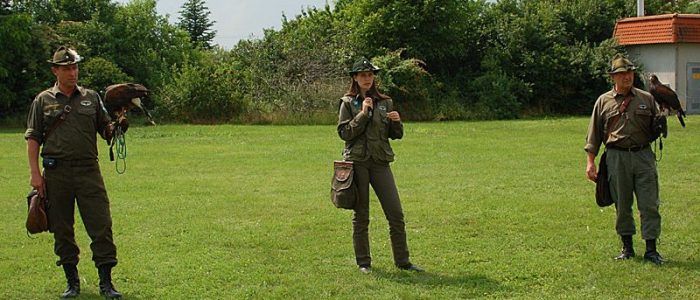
354, 90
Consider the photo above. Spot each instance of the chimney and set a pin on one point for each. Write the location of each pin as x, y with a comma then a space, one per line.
640, 8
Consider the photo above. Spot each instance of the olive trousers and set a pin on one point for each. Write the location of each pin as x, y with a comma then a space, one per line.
80, 182
635, 173
379, 175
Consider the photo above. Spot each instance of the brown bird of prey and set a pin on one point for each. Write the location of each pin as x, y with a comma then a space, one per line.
122, 97
666, 98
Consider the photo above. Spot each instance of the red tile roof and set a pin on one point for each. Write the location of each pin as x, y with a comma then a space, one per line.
660, 29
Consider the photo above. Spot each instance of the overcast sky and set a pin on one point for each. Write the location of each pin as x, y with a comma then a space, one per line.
241, 19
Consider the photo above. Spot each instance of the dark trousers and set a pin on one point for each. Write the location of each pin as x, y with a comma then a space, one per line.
80, 182
634, 173
379, 175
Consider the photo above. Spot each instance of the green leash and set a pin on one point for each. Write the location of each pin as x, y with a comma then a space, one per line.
120, 143
661, 149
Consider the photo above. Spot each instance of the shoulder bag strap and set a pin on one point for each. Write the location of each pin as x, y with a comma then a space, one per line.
613, 121
61, 117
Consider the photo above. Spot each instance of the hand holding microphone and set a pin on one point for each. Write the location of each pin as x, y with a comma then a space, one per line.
368, 105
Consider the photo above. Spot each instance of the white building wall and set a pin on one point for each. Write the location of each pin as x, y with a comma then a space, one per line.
659, 59
668, 62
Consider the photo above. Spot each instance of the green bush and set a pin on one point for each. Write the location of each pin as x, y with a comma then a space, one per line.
497, 96
98, 73
407, 83
205, 91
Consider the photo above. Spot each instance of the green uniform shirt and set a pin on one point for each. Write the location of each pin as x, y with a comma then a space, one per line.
633, 128
367, 137
74, 138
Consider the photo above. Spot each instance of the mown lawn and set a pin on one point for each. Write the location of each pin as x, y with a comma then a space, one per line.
493, 210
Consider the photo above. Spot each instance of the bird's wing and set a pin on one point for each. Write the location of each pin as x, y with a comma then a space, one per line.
657, 97
118, 96
670, 97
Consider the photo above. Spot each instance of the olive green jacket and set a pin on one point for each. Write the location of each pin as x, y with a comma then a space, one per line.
367, 136
76, 137
633, 128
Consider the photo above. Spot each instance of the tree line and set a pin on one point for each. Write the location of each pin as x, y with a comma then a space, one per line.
441, 59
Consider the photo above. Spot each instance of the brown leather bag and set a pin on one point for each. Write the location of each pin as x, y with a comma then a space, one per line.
37, 220
343, 190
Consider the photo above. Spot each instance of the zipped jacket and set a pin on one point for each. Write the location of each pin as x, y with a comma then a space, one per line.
367, 135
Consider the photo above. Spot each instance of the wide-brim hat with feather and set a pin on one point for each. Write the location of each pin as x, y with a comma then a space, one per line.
621, 64
363, 65
65, 56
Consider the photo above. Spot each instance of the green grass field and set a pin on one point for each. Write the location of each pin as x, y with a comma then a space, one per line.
493, 210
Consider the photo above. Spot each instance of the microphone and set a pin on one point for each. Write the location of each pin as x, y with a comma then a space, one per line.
370, 109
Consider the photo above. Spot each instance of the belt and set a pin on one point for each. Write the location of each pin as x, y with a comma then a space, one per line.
71, 163
631, 149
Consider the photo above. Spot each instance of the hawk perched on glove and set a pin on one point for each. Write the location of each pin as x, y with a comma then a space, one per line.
120, 98
666, 98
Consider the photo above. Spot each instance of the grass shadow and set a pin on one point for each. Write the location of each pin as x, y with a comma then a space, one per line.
690, 265
92, 295
474, 285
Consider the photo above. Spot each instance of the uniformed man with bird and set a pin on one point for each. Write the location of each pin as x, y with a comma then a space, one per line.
62, 127
623, 120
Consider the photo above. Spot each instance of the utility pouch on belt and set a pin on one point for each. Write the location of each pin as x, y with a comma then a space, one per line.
343, 190
49, 163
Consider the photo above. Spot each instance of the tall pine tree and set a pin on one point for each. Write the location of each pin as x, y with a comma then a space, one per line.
194, 18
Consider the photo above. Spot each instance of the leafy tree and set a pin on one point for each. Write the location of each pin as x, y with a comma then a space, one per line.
97, 73
23, 68
84, 10
42, 11
5, 7
407, 82
145, 45
194, 18
445, 34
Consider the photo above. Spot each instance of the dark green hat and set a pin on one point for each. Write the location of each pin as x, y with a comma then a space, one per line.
65, 56
363, 65
620, 64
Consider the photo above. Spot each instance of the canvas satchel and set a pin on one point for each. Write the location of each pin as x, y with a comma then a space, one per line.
37, 220
602, 185
343, 189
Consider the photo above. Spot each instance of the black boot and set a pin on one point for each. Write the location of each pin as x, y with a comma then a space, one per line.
106, 287
627, 249
652, 255
73, 289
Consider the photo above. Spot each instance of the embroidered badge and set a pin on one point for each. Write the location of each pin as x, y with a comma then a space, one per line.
382, 108
51, 107
86, 103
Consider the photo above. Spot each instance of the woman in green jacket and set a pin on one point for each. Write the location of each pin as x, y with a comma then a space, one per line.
366, 122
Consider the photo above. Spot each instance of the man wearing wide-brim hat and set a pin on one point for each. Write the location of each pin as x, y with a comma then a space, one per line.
622, 119
62, 127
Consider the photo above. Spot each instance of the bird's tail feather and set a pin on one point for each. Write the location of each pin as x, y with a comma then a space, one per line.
680, 115
149, 116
